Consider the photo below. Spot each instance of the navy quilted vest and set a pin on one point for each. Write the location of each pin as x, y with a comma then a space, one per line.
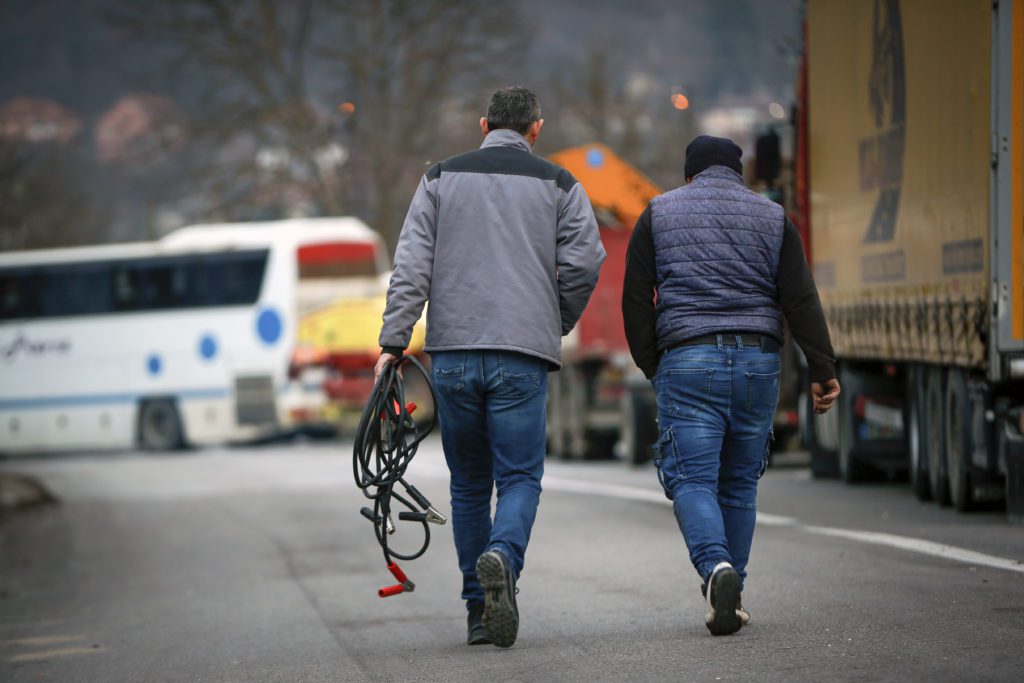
716, 249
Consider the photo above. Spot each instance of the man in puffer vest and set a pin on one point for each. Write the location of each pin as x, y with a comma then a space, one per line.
712, 271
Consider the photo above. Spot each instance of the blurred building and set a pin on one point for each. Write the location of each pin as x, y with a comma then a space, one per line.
138, 127
37, 120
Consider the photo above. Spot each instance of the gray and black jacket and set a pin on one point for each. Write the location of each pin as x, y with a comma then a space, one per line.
505, 246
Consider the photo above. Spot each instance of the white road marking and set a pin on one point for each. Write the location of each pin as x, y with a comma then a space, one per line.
919, 545
50, 654
39, 641
908, 543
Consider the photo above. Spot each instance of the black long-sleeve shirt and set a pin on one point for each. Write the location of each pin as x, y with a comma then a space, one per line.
797, 293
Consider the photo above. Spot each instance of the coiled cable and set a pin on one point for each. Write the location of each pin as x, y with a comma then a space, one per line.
386, 442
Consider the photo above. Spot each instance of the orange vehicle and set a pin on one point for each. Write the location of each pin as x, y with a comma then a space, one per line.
600, 405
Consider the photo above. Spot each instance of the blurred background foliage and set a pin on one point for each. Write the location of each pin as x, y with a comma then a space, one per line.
124, 119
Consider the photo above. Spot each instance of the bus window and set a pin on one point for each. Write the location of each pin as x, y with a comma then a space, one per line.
152, 284
19, 294
190, 281
75, 289
240, 278
330, 260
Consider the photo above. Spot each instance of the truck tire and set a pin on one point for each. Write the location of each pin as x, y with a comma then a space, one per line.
935, 418
959, 440
639, 428
159, 426
851, 469
917, 434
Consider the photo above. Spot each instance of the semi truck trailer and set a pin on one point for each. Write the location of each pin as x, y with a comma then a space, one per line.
910, 200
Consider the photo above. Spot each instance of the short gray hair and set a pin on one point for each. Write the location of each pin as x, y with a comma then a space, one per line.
515, 108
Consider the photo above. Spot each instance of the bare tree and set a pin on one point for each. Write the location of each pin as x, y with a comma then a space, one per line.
43, 202
272, 75
417, 71
254, 121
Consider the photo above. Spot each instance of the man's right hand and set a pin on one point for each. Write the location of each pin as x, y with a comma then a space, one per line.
825, 394
382, 362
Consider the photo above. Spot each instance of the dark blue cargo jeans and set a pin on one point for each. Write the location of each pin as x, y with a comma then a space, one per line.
493, 428
716, 404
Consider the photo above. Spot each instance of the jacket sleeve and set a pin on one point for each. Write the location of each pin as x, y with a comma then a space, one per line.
414, 266
798, 297
639, 314
578, 255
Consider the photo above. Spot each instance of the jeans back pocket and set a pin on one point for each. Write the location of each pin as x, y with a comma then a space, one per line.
684, 391
519, 375
449, 371
762, 392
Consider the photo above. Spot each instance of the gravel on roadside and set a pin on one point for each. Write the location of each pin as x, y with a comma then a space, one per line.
18, 491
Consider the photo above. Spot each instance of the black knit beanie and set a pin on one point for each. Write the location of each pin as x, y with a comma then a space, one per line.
707, 151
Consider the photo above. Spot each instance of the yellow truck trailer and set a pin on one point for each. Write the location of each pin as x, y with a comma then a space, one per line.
912, 158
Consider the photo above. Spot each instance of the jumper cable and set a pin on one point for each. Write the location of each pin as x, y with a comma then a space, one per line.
386, 441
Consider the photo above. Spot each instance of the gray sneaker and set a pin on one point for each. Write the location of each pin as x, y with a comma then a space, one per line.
723, 594
501, 616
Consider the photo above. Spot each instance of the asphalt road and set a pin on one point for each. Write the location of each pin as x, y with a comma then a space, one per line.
254, 565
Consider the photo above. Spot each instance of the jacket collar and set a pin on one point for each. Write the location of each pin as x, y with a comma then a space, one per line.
506, 138
714, 173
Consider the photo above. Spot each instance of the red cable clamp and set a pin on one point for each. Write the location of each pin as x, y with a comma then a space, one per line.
403, 586
410, 408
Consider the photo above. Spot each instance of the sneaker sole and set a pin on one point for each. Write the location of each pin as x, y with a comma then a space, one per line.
500, 617
722, 619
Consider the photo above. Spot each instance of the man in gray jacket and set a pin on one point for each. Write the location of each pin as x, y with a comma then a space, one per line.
505, 246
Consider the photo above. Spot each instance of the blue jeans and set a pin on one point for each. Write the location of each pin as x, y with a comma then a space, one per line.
493, 429
716, 406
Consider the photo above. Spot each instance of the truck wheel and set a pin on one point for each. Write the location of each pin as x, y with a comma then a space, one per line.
935, 418
159, 425
851, 469
959, 441
917, 434
639, 428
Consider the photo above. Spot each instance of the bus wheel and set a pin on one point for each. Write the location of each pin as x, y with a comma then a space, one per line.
917, 434
958, 440
159, 425
935, 418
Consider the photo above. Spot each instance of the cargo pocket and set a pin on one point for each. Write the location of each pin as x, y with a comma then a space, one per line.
767, 452
666, 460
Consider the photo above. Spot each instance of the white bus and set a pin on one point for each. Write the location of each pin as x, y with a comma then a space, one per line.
184, 341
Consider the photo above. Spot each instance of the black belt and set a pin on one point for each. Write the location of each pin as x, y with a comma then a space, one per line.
729, 339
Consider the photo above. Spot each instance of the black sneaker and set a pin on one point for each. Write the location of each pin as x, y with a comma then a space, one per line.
723, 594
476, 632
741, 612
501, 616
